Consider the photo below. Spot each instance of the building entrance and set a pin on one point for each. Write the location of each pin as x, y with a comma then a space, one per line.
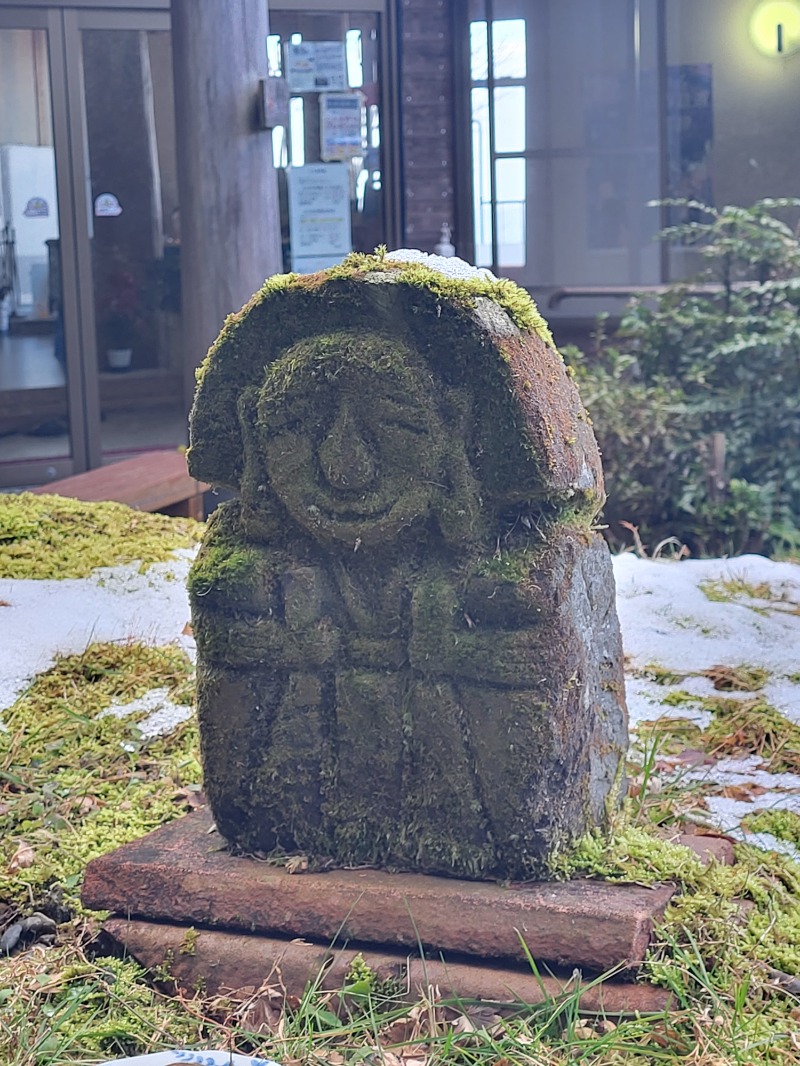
92, 365
90, 337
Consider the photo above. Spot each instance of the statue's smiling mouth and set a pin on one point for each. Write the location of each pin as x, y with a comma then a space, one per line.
346, 511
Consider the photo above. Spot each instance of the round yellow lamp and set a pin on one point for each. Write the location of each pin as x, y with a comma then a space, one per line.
775, 27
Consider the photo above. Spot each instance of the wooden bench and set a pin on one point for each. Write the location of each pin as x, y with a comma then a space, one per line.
152, 481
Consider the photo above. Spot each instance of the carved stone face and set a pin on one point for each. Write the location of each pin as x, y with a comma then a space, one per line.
358, 461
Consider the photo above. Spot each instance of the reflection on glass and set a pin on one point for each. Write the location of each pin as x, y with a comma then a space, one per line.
508, 48
510, 191
359, 36
135, 246
280, 147
274, 57
33, 395
607, 194
353, 53
297, 132
479, 51
584, 128
509, 112
481, 177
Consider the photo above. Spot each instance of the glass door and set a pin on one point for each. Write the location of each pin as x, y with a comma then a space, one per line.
90, 327
41, 401
331, 148
129, 227
565, 152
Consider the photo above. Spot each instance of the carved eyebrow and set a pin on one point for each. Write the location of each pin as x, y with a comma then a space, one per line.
401, 412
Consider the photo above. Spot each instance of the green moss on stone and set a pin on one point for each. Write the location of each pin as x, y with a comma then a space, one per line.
217, 567
513, 566
516, 302
349, 610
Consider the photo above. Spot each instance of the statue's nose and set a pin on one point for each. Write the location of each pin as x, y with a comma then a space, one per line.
346, 458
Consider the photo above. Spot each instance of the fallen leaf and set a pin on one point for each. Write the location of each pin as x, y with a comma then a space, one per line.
745, 792
22, 858
190, 797
387, 1058
84, 805
692, 829
584, 1032
187, 630
692, 757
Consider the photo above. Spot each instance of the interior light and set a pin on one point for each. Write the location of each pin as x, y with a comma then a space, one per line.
775, 27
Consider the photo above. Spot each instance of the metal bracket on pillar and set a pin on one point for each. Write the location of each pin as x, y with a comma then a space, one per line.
273, 103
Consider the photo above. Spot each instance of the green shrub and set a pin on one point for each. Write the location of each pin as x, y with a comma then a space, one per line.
696, 400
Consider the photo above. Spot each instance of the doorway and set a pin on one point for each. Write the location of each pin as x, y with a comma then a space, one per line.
90, 328
333, 149
91, 358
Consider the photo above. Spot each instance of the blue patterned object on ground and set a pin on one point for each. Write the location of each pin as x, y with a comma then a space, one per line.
191, 1058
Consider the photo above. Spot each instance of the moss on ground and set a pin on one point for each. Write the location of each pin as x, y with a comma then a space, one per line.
75, 782
738, 590
734, 915
743, 726
785, 825
55, 537
57, 1006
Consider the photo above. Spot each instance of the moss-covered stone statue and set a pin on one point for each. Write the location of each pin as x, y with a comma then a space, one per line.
408, 651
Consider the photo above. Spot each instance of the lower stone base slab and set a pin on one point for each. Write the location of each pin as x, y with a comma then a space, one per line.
223, 962
183, 874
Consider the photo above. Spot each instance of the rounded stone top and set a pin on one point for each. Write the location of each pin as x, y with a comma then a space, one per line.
497, 384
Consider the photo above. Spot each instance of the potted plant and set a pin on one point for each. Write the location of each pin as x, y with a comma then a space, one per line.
121, 319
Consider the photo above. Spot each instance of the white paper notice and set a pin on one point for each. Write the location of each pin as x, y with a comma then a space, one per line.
300, 66
315, 66
331, 65
341, 125
319, 215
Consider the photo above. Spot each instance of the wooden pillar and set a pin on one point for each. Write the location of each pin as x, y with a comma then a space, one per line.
229, 222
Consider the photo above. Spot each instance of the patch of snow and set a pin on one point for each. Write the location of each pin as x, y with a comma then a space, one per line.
450, 266
162, 714
747, 770
667, 619
45, 619
645, 704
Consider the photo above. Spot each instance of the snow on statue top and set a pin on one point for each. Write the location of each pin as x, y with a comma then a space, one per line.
408, 651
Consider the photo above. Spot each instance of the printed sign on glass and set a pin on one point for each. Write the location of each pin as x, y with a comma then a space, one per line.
319, 215
341, 126
316, 66
106, 205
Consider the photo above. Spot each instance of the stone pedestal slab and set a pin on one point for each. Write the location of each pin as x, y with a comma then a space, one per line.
183, 873
236, 962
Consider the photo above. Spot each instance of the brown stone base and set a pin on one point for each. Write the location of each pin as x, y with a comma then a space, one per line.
471, 939
183, 873
220, 962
